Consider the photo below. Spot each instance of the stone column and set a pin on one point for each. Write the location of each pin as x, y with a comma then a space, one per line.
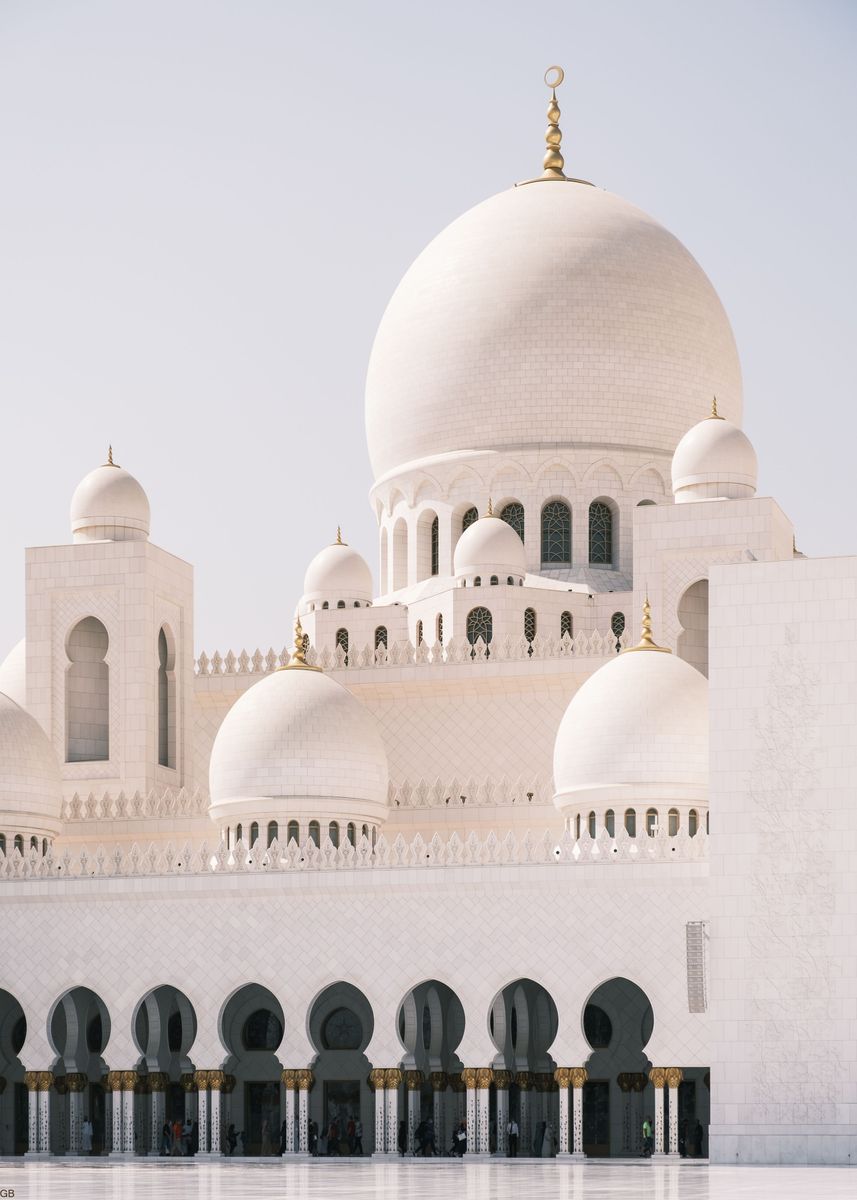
31, 1079
304, 1079
562, 1075
484, 1079
76, 1083
44, 1094
502, 1079
673, 1078
458, 1107
191, 1102
142, 1133
129, 1081
229, 1083
438, 1081
413, 1082
158, 1083
376, 1081
577, 1080
200, 1078
215, 1082
468, 1078
113, 1084
524, 1080
289, 1083
60, 1116
658, 1077
392, 1082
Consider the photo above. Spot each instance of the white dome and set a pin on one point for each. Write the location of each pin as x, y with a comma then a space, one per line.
13, 674
109, 505
550, 315
30, 782
715, 460
636, 732
298, 745
490, 546
336, 573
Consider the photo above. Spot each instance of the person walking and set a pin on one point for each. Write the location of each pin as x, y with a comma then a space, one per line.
429, 1149
312, 1137
512, 1134
266, 1138
187, 1132
166, 1139
176, 1139
461, 1139
86, 1136
358, 1137
648, 1144
549, 1141
231, 1140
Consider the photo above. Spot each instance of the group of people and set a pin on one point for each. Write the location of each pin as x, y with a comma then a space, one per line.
179, 1138
341, 1137
689, 1138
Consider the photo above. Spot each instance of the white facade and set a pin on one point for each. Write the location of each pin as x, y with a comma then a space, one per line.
448, 857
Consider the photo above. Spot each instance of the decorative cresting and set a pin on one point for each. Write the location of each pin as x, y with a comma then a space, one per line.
298, 661
647, 641
413, 1080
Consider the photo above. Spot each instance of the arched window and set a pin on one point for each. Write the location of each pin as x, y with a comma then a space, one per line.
3, 842
707, 815
631, 822
469, 517
566, 625
513, 514
400, 554
477, 581
419, 633
262, 1031
19, 843
577, 827
87, 693
340, 604
600, 534
439, 629
44, 845
315, 832
239, 832
34, 842
617, 624
166, 701
510, 581
644, 503
530, 627
592, 824
342, 642
651, 821
333, 833
305, 640
254, 833
672, 822
435, 546
380, 637
494, 581
479, 625
293, 832
610, 822
364, 831
556, 534
692, 822
273, 831
356, 603
350, 832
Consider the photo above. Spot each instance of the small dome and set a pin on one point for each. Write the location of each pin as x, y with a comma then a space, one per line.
13, 674
337, 573
715, 460
298, 745
109, 505
490, 546
30, 781
635, 732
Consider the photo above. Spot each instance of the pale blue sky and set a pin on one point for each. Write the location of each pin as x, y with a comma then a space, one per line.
206, 205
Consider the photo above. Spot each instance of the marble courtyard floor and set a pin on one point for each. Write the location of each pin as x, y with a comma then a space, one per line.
439, 1179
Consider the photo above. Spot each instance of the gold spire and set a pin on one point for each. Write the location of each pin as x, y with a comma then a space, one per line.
490, 512
553, 161
647, 642
298, 661
714, 415
110, 462
339, 541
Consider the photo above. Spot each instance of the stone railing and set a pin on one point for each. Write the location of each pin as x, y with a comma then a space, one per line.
450, 852
163, 802
399, 654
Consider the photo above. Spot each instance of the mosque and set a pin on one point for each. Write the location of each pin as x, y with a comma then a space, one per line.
555, 824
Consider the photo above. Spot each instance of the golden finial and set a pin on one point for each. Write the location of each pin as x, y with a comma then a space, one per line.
553, 161
490, 512
110, 462
714, 415
298, 661
339, 541
647, 641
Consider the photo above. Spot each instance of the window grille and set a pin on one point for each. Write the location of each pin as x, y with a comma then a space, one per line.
513, 514
556, 533
600, 534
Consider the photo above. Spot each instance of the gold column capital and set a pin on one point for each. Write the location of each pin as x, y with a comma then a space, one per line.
484, 1077
657, 1076
304, 1079
159, 1081
38, 1081
127, 1080
376, 1078
392, 1077
61, 1085
563, 1076
524, 1080
215, 1079
288, 1079
674, 1076
200, 1078
76, 1081
456, 1082
468, 1077
113, 1081
228, 1085
631, 1081
141, 1087
578, 1076
188, 1082
439, 1080
502, 1080
413, 1080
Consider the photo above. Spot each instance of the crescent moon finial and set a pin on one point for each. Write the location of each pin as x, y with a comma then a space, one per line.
554, 77
553, 162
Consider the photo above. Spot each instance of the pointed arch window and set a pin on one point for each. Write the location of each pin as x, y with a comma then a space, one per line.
435, 546
479, 625
254, 833
333, 833
315, 832
293, 832
166, 701
530, 626
513, 514
273, 832
556, 534
342, 642
380, 637
617, 625
419, 633
600, 534
566, 625
87, 693
439, 629
469, 517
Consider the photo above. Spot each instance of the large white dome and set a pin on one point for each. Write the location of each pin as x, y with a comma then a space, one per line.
109, 505
635, 733
298, 745
552, 315
30, 781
